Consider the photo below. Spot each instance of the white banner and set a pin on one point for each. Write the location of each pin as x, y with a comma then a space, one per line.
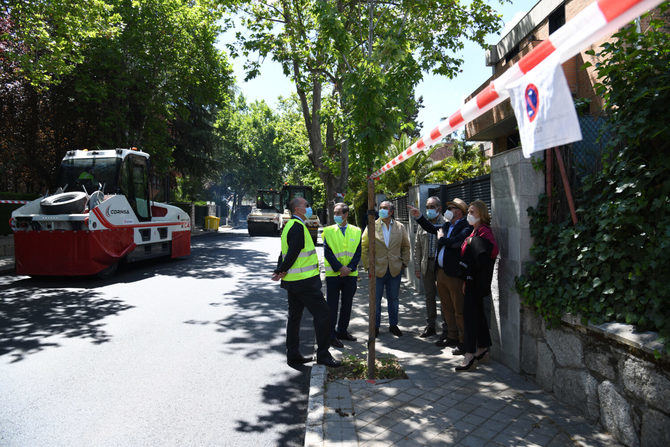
544, 109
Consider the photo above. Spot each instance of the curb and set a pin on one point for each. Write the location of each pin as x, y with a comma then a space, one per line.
315, 407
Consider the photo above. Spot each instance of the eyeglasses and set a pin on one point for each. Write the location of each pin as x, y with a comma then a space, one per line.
431, 207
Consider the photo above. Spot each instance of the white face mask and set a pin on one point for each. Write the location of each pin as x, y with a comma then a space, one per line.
472, 219
448, 215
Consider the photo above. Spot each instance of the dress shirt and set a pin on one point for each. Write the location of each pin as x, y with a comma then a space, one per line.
440, 257
387, 232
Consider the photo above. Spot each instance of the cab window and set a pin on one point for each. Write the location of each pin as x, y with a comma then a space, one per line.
134, 181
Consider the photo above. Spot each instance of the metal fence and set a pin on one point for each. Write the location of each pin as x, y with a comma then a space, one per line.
467, 190
401, 210
581, 159
586, 157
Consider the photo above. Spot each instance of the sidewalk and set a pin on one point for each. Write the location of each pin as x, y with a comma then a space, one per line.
492, 406
7, 262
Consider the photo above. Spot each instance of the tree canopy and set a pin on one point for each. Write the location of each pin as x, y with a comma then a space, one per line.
107, 74
355, 66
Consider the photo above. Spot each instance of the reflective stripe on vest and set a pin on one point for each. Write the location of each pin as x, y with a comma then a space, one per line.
306, 264
343, 246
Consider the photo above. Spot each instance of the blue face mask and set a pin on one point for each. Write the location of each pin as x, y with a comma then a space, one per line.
308, 212
431, 213
383, 213
338, 220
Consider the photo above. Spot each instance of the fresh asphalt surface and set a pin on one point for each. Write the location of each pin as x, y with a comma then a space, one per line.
170, 352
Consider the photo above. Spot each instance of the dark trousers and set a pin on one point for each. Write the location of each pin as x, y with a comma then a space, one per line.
340, 288
392, 285
301, 294
476, 329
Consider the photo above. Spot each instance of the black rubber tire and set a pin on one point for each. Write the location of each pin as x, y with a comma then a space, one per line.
64, 203
252, 229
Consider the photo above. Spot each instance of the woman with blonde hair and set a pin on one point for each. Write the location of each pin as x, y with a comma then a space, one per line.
479, 252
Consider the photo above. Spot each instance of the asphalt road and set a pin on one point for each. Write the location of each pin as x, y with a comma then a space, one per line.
174, 352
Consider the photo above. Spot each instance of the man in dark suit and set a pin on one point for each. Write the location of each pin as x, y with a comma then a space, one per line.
449, 282
298, 269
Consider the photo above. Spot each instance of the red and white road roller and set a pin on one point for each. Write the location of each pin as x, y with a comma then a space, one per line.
102, 214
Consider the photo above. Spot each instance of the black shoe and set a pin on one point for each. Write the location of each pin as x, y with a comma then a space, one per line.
330, 362
483, 356
395, 331
376, 332
298, 360
453, 343
458, 351
346, 336
467, 367
336, 343
428, 332
444, 342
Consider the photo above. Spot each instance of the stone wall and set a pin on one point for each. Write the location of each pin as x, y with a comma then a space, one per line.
515, 186
608, 372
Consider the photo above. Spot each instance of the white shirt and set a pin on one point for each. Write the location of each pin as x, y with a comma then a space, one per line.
386, 229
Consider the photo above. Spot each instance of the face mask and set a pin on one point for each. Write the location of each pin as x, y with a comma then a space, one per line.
383, 213
431, 214
448, 215
472, 219
308, 212
338, 220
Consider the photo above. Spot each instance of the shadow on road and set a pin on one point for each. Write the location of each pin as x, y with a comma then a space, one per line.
257, 320
32, 311
290, 406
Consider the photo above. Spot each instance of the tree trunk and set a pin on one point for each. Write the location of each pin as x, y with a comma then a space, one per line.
333, 182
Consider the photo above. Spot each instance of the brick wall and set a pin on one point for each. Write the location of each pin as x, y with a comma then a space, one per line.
579, 80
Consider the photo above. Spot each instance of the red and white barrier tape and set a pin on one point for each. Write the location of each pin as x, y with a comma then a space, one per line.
599, 19
17, 202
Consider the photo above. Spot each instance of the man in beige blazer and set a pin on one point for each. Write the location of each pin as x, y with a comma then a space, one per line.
391, 256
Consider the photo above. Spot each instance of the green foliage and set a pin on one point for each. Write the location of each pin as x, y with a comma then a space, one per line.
468, 161
411, 172
356, 368
614, 265
293, 140
253, 158
114, 73
465, 162
355, 66
55, 35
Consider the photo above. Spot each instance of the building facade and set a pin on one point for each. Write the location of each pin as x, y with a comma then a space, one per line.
498, 125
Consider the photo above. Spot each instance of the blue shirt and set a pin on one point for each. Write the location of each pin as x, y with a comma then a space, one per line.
440, 257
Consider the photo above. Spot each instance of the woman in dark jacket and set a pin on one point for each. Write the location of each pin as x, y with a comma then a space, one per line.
479, 252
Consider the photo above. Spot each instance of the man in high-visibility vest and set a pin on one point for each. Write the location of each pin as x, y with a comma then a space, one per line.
298, 269
341, 252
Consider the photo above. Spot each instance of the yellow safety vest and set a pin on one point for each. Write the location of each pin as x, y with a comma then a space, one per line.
306, 264
343, 246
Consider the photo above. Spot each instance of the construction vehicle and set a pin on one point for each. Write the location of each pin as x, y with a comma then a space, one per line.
264, 218
290, 192
101, 214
